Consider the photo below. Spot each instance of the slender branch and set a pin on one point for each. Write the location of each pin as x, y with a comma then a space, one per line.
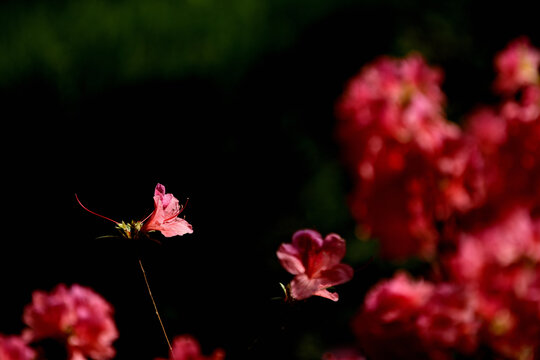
155, 308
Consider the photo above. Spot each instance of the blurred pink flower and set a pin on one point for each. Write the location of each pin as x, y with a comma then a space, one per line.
505, 242
165, 218
488, 129
186, 347
509, 310
516, 66
499, 261
412, 168
15, 348
421, 320
508, 139
448, 322
77, 316
470, 199
388, 316
315, 262
393, 101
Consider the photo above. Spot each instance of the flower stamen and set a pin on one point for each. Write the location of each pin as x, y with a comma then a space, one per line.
92, 212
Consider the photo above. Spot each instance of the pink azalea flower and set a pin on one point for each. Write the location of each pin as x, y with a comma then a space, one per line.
393, 100
165, 218
500, 262
15, 348
449, 322
517, 66
78, 316
388, 316
413, 169
508, 138
315, 262
186, 347
504, 242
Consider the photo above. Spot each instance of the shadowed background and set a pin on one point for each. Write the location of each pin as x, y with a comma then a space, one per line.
230, 105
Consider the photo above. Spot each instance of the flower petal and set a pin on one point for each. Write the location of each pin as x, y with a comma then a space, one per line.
176, 226
331, 253
327, 294
339, 274
334, 246
307, 240
303, 287
289, 258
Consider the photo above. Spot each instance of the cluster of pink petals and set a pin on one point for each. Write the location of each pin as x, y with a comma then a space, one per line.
483, 299
15, 348
501, 265
315, 263
165, 217
517, 66
186, 347
508, 137
413, 168
77, 316
421, 320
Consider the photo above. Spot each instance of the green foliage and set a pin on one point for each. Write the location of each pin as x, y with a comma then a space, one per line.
88, 44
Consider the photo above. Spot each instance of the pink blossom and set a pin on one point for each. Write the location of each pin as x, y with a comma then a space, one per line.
412, 168
471, 199
448, 322
517, 66
388, 316
76, 315
508, 138
488, 128
15, 348
165, 218
315, 262
186, 347
509, 310
504, 242
393, 100
500, 263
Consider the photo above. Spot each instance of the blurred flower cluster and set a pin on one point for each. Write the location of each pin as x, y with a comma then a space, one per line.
465, 199
76, 323
76, 320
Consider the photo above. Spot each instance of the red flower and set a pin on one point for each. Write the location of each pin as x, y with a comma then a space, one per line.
315, 262
389, 316
517, 66
165, 218
507, 241
501, 264
448, 322
186, 347
15, 348
412, 168
78, 316
392, 101
508, 138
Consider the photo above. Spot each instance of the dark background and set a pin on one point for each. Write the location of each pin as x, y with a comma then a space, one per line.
230, 104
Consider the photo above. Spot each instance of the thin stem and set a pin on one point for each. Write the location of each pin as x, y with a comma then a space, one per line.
155, 308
